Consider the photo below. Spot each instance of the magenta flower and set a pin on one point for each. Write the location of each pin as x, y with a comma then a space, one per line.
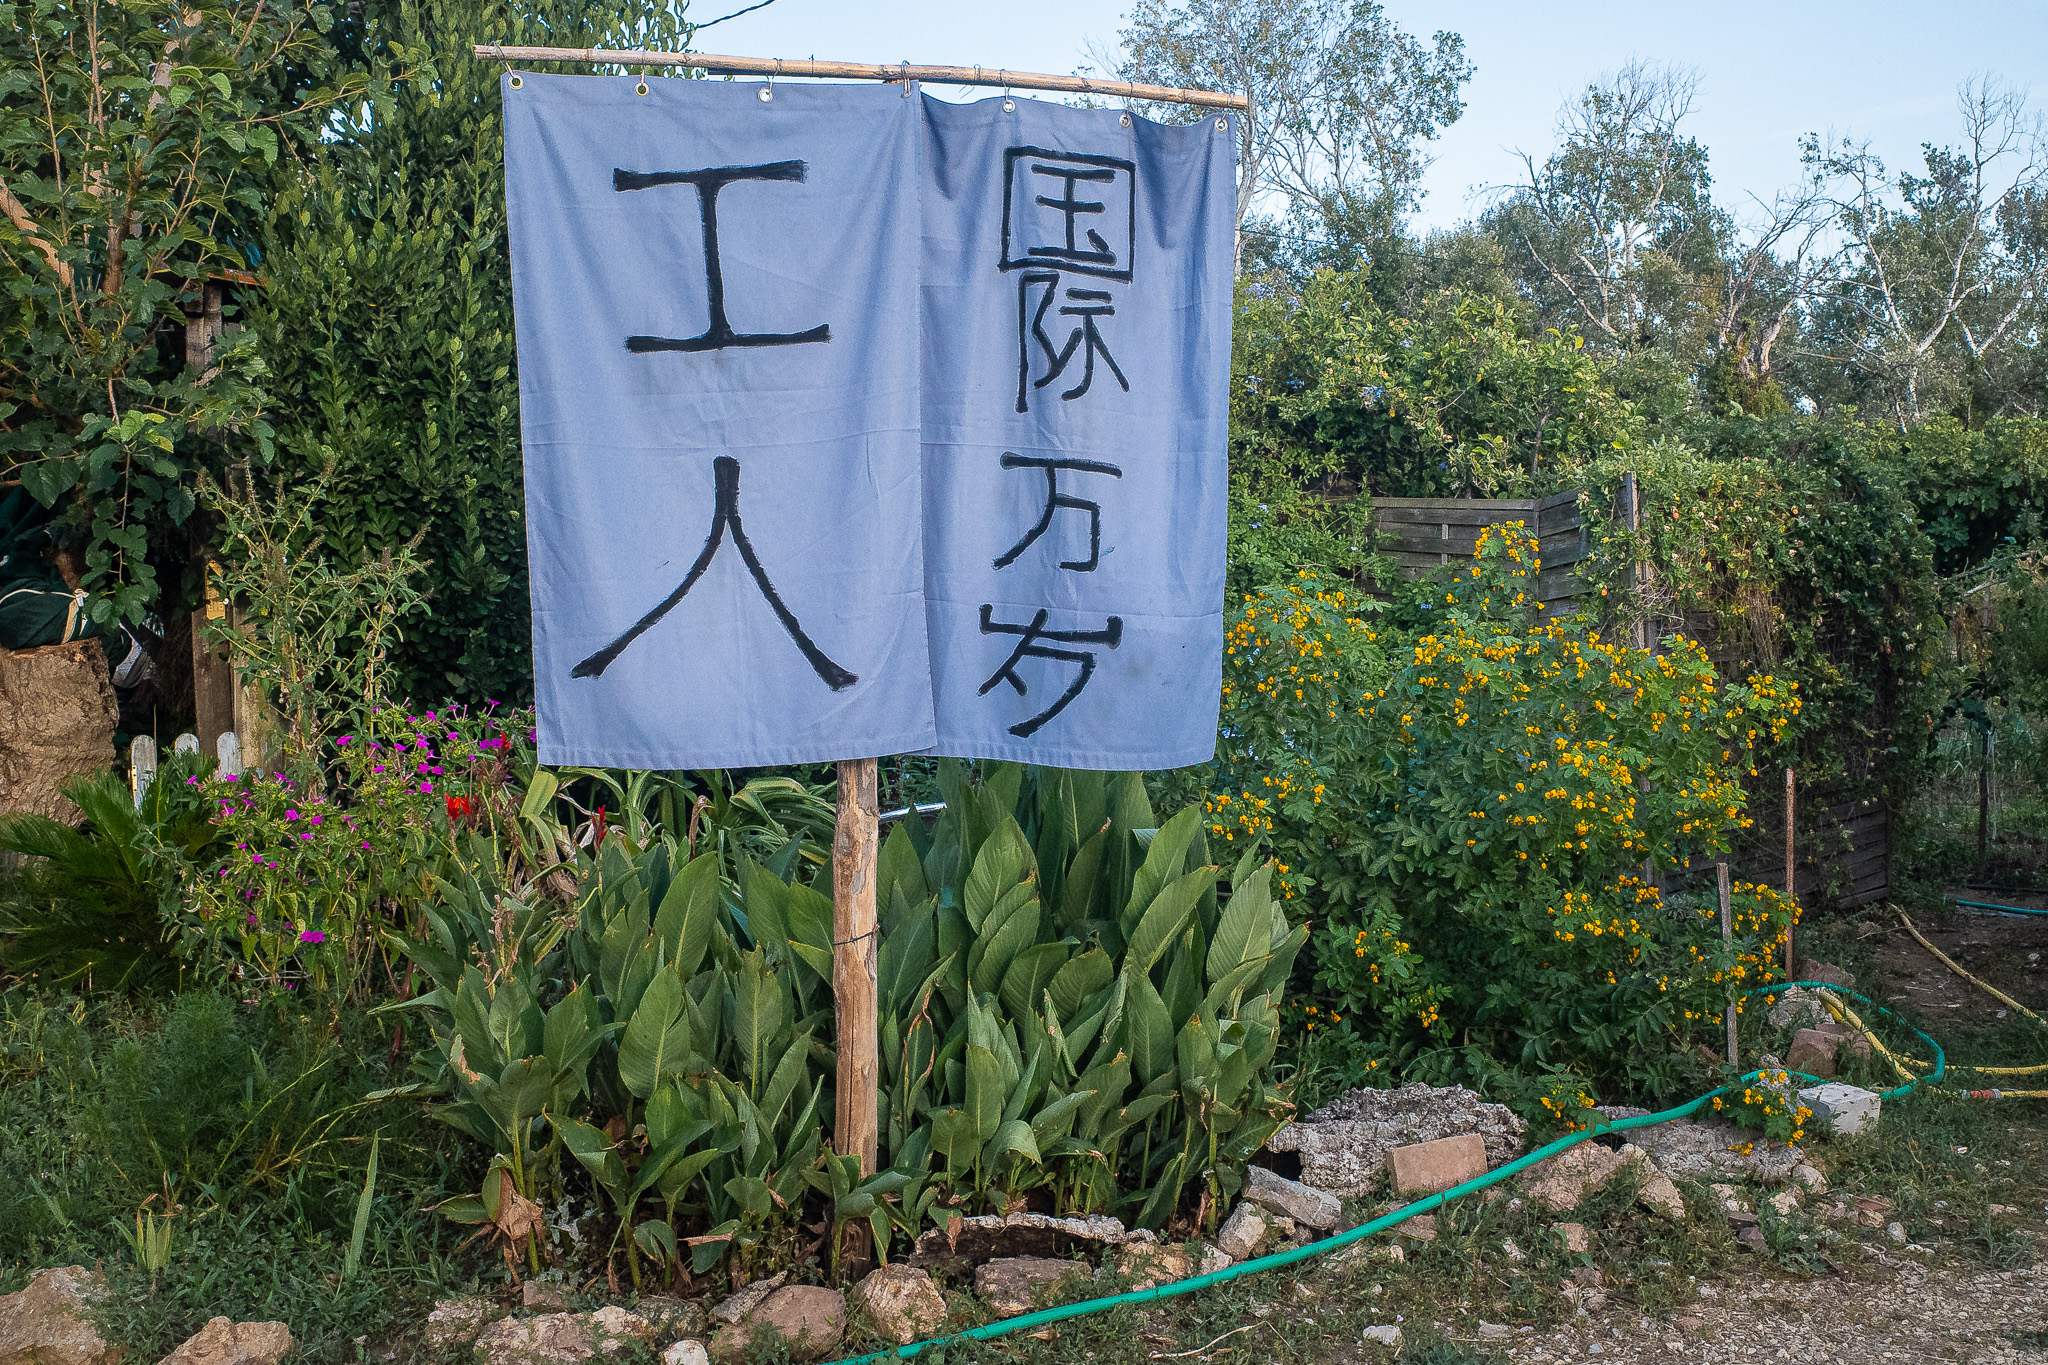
290, 814
342, 743
312, 936
426, 788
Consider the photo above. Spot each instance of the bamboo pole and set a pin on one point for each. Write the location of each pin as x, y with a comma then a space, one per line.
865, 71
856, 1129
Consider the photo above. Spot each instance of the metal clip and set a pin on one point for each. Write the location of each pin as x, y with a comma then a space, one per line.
766, 94
906, 78
1009, 105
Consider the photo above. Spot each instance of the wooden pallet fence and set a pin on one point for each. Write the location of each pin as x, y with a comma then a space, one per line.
1420, 534
1843, 855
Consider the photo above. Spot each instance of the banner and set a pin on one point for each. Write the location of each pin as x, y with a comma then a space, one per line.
858, 424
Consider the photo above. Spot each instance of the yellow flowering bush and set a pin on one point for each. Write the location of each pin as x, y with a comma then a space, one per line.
1465, 797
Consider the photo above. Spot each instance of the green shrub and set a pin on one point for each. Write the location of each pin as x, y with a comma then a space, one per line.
1462, 801
1066, 1006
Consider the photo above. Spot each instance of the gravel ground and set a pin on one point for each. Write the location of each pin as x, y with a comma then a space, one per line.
1894, 1309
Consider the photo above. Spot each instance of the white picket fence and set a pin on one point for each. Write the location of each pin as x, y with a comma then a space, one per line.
142, 759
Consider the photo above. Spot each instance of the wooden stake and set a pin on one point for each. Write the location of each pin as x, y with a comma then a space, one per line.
856, 1129
1727, 941
1791, 894
866, 71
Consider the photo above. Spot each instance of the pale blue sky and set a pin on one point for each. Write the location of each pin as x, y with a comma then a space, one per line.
1769, 72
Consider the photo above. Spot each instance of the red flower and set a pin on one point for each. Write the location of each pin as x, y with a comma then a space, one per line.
458, 807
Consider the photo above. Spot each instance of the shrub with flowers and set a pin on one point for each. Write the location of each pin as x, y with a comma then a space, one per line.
1465, 796
311, 878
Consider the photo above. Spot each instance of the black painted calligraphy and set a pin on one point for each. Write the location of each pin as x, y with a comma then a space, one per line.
720, 334
1029, 646
1055, 500
725, 514
1084, 304
1050, 219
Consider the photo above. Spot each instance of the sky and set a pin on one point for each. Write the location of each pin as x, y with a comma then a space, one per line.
1769, 72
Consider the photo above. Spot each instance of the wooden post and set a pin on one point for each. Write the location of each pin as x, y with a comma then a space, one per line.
856, 1129
141, 766
213, 679
1727, 941
1791, 893
1983, 799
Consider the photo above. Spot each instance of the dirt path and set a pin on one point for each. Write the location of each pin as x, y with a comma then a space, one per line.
1899, 1310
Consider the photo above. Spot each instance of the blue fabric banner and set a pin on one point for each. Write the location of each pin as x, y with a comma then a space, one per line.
857, 424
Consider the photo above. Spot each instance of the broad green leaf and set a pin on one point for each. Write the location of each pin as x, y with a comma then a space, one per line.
1075, 983
1013, 1136
1011, 927
1245, 930
986, 1093
997, 869
1148, 1029
1164, 862
1165, 918
757, 1014
689, 914
1029, 974
657, 1037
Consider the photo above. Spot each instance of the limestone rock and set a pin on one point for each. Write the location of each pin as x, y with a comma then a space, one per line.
57, 718
1385, 1334
1010, 1285
1813, 1052
1843, 1110
1305, 1204
1715, 1149
1422, 1227
1148, 1267
1244, 1234
1561, 1182
613, 1328
747, 1298
45, 1324
970, 1241
457, 1321
1798, 1008
672, 1317
543, 1298
1431, 1167
1783, 1203
809, 1320
1343, 1146
1810, 1179
1661, 1197
688, 1351
1214, 1258
1576, 1239
224, 1341
902, 1302
550, 1339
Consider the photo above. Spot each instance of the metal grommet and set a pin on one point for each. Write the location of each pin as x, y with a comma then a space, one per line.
766, 94
1222, 125
517, 82
640, 89
1123, 120
1009, 105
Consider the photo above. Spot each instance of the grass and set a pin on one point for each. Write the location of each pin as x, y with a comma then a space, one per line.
248, 1132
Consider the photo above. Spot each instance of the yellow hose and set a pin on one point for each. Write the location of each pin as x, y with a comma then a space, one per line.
1950, 963
1843, 1013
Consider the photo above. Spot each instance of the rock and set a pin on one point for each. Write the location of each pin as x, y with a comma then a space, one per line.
456, 1322
1871, 1210
1010, 1285
1243, 1234
1562, 1181
1511, 1251
970, 1241
1385, 1333
1575, 1237
902, 1303
1589, 1276
1148, 1267
1495, 1331
224, 1341
45, 1323
1813, 1052
612, 1327
1422, 1227
1661, 1197
1751, 1236
1303, 1203
1343, 1146
809, 1320
1895, 1231
1810, 1179
686, 1352
543, 1298
1685, 1322
1843, 1110
672, 1317
1783, 1203
1715, 1149
1799, 1008
1430, 1167
1827, 972
551, 1339
57, 719
1214, 1258
747, 1298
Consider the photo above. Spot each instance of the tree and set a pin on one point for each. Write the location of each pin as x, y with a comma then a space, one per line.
136, 141
388, 327
1613, 225
1341, 98
1769, 274
1943, 268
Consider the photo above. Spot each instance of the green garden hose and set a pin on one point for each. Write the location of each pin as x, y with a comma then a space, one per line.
1044, 1317
2002, 909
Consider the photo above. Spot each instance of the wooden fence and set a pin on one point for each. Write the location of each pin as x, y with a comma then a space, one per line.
1419, 534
